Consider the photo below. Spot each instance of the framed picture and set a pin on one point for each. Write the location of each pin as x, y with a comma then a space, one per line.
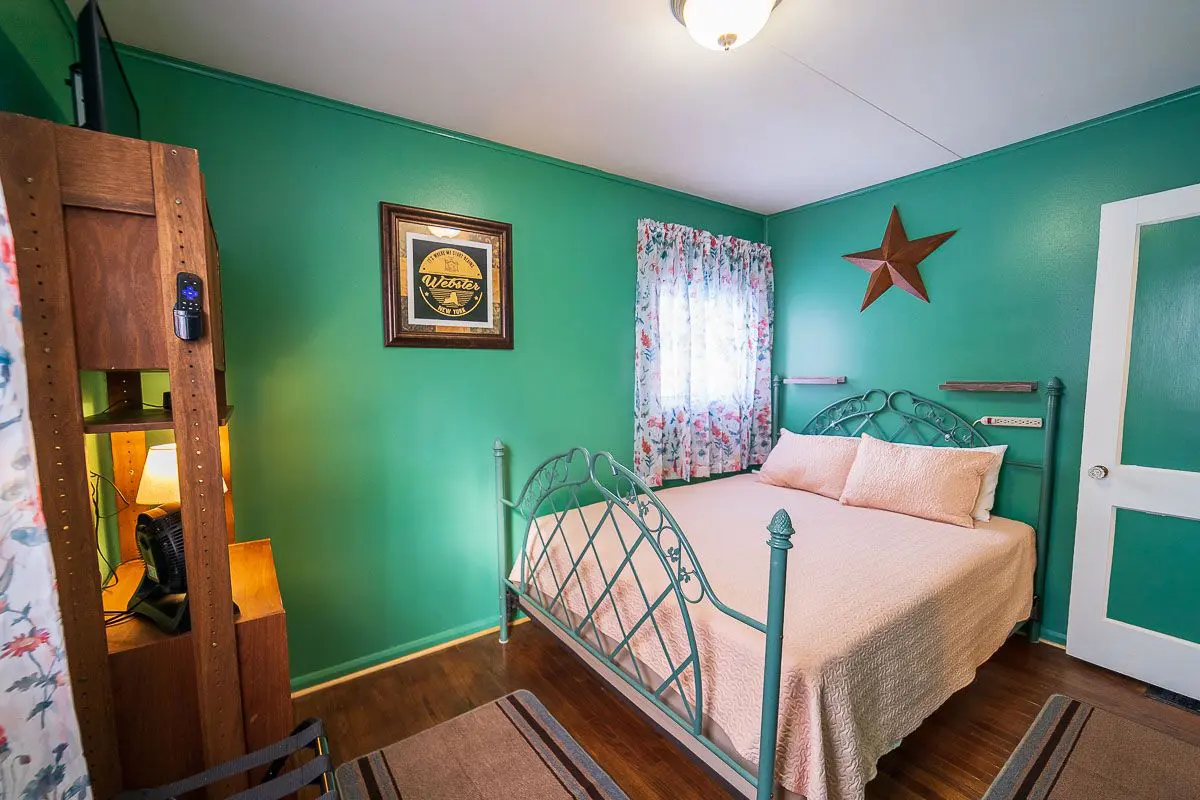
447, 279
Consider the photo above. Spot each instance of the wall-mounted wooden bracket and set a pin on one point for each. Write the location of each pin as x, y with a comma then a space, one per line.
831, 380
990, 386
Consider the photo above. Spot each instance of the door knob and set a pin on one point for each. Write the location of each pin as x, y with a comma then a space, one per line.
1099, 472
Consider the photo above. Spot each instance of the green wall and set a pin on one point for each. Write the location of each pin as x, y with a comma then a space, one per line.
371, 468
36, 47
1011, 291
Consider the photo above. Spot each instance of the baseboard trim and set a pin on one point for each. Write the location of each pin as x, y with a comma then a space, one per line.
1054, 638
349, 670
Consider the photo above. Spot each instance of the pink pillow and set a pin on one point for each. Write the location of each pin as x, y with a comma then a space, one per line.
817, 464
938, 483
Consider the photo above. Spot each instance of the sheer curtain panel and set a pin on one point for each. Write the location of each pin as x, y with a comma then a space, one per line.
702, 383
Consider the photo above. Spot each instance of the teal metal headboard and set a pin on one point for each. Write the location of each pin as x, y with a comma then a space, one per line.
904, 417
896, 417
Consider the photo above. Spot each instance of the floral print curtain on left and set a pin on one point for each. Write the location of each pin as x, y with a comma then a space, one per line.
40, 752
702, 381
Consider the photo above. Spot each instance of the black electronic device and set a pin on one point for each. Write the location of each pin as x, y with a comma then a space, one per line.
189, 306
161, 596
103, 97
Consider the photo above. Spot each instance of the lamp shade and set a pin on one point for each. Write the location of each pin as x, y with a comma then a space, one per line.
160, 477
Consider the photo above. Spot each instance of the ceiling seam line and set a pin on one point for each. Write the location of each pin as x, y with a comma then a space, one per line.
855, 94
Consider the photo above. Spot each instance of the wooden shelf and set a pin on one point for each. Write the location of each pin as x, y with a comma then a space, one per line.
819, 381
989, 386
140, 419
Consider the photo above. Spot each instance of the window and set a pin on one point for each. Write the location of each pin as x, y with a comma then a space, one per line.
709, 365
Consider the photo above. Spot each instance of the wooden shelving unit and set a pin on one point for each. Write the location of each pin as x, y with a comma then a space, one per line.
103, 225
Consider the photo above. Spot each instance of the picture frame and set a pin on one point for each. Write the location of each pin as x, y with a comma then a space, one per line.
447, 279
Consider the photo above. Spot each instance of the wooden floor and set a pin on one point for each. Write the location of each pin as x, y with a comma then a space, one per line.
953, 756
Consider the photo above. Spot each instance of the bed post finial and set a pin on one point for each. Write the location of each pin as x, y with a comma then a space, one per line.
498, 452
781, 531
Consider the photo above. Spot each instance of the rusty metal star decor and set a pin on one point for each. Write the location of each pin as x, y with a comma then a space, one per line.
894, 263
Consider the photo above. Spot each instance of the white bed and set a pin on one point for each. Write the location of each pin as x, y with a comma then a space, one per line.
886, 616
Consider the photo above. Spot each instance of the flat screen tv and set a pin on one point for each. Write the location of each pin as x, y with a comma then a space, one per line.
104, 99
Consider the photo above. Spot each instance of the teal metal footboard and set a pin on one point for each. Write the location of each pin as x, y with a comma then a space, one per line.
629, 519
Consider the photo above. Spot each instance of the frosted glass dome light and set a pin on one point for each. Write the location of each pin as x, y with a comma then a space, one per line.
723, 24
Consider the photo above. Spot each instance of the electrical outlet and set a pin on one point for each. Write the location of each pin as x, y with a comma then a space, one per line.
1013, 422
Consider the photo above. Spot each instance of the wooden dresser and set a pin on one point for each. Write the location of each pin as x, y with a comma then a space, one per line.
154, 673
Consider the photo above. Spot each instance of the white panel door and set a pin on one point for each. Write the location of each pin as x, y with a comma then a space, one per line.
1153, 501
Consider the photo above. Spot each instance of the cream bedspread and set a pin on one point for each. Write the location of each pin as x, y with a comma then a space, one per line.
887, 615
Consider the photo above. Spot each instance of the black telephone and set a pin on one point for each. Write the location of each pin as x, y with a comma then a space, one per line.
189, 306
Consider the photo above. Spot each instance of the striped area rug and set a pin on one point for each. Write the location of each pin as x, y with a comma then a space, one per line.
1075, 751
511, 747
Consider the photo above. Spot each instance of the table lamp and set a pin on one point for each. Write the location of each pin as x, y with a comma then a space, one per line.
160, 477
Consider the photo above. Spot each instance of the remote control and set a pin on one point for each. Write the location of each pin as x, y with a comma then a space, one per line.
189, 307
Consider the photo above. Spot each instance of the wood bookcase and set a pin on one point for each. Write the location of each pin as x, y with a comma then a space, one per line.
103, 224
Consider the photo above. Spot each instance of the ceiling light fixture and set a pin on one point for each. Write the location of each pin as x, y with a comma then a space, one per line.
723, 24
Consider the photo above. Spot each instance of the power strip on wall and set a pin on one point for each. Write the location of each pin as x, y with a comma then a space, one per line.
1011, 422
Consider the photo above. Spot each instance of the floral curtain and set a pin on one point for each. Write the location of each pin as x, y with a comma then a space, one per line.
40, 752
702, 383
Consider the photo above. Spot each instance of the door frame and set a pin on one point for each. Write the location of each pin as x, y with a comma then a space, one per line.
1148, 655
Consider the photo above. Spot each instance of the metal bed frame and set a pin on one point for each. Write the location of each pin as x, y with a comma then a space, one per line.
563, 484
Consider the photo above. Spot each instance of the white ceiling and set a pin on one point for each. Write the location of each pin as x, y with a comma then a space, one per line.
833, 96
